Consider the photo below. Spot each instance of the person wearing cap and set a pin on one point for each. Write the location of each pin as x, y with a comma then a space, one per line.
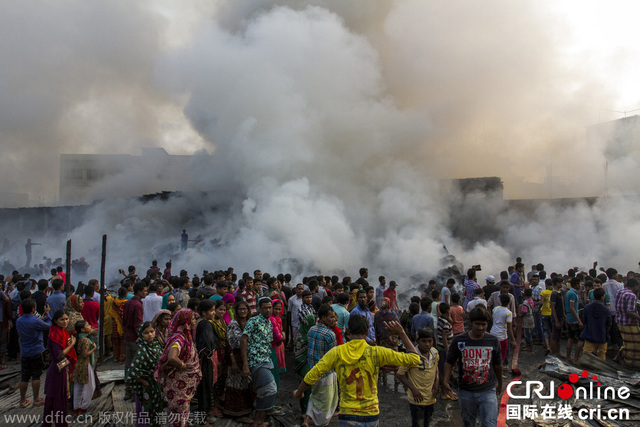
490, 286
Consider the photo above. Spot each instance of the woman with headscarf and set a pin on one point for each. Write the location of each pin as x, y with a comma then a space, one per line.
229, 300
179, 368
277, 351
300, 352
72, 308
160, 323
239, 393
56, 388
207, 345
148, 392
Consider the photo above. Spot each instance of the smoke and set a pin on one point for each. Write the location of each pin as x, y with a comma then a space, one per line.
330, 125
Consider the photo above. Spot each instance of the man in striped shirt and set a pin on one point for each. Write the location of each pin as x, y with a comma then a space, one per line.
322, 339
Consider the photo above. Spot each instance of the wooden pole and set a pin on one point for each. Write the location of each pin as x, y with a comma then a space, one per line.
102, 296
67, 286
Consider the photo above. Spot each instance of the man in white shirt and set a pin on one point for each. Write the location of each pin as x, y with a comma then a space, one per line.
478, 299
151, 304
93, 283
502, 329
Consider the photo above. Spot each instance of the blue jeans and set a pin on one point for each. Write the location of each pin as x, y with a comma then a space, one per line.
481, 406
537, 321
356, 421
527, 335
348, 423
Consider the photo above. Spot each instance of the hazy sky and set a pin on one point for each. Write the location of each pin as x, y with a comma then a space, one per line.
491, 88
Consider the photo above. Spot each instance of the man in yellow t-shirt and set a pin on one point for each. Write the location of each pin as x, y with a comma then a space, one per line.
357, 365
422, 380
545, 313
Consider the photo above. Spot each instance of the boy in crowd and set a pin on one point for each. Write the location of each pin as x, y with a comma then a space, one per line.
545, 313
435, 313
574, 324
422, 320
597, 322
354, 362
502, 325
444, 337
456, 313
526, 314
478, 357
557, 314
421, 381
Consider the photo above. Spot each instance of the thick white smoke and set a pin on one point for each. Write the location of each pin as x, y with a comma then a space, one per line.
330, 125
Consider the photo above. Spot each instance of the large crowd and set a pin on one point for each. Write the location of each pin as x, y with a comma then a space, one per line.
198, 348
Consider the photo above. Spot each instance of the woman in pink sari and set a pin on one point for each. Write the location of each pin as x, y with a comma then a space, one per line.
179, 367
277, 351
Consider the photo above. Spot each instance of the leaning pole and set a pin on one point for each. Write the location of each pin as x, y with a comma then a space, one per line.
67, 285
103, 292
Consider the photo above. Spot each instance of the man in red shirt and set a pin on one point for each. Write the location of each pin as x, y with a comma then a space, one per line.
62, 274
390, 293
131, 321
91, 310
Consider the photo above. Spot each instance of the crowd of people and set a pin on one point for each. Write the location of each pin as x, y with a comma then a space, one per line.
198, 348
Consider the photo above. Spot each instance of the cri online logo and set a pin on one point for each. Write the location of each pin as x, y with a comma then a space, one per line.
566, 391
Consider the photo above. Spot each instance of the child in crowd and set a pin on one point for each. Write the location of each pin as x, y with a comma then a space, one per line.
526, 314
545, 313
173, 308
502, 328
83, 377
597, 322
148, 391
422, 380
435, 296
456, 314
444, 337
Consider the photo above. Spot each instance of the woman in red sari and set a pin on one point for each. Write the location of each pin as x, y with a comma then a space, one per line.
277, 351
56, 388
179, 367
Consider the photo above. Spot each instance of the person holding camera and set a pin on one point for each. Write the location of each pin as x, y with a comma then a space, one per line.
470, 285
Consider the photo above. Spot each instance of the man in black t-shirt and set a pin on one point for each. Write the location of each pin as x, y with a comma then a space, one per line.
479, 360
557, 315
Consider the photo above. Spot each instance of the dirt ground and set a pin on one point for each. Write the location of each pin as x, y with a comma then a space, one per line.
394, 408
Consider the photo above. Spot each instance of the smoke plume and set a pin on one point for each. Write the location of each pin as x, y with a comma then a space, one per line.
323, 131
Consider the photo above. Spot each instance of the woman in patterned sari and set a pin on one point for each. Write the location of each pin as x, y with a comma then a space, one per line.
139, 377
239, 391
72, 308
179, 368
